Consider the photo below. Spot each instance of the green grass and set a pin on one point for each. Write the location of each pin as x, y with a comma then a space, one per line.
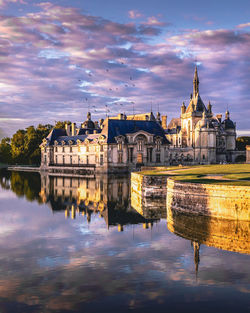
231, 174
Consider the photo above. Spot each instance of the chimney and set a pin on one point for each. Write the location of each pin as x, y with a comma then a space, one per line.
73, 127
164, 121
101, 122
219, 117
120, 116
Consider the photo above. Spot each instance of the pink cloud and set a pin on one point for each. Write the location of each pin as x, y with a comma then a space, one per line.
134, 14
154, 21
110, 62
243, 25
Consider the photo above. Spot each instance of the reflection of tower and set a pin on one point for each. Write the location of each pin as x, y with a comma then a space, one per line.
196, 247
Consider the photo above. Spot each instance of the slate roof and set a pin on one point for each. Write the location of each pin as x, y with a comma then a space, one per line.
113, 128
174, 123
228, 124
199, 106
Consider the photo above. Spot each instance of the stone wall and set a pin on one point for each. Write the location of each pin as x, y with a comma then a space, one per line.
149, 186
222, 201
148, 195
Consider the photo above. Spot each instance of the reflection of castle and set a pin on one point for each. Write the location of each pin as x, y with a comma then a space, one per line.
231, 235
122, 142
105, 195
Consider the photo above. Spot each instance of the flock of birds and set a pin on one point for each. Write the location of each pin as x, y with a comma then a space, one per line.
129, 84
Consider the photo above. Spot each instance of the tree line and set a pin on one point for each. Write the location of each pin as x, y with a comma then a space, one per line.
23, 147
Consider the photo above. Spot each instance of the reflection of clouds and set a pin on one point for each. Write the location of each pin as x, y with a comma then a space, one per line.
47, 261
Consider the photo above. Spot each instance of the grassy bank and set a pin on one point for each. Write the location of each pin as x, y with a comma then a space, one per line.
226, 174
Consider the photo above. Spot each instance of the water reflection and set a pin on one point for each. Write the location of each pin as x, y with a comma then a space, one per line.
50, 263
105, 195
230, 235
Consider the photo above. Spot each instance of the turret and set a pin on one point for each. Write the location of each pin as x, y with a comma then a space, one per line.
209, 107
158, 116
183, 108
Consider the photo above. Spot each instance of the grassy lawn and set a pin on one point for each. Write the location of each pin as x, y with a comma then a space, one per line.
226, 174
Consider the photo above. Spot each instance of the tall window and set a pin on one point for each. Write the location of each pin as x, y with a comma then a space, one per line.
70, 149
87, 148
71, 159
62, 149
131, 155
45, 158
56, 159
149, 155
87, 159
120, 158
158, 145
101, 148
101, 159
119, 146
63, 159
55, 149
158, 158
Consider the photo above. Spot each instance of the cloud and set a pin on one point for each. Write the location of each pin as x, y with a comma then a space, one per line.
4, 3
243, 25
53, 47
134, 14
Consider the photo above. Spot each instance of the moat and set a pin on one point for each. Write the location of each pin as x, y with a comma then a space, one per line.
81, 245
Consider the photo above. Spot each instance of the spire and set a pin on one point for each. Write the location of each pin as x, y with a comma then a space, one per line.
196, 82
227, 115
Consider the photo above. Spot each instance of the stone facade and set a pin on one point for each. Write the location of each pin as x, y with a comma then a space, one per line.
117, 145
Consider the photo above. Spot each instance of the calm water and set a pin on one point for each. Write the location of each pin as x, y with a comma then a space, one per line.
77, 245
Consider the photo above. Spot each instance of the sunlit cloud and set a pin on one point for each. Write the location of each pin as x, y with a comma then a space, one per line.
45, 50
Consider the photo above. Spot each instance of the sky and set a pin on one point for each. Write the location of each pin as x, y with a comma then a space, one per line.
59, 59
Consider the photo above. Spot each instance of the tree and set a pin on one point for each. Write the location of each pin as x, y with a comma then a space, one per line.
17, 146
61, 124
25, 144
5, 150
242, 142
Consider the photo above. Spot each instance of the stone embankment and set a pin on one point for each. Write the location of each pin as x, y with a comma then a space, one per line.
148, 194
221, 201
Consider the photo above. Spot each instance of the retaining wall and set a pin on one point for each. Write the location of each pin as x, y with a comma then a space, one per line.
222, 201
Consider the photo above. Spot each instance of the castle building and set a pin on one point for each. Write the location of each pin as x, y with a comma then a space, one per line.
123, 143
198, 136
